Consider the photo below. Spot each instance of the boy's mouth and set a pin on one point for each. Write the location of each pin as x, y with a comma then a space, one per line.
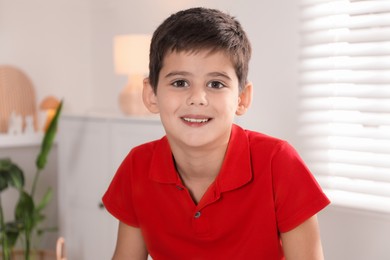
193, 120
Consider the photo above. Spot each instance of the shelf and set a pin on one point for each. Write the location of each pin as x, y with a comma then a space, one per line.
10, 141
113, 117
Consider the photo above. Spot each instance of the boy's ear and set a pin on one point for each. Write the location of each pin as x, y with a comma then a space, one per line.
149, 97
244, 99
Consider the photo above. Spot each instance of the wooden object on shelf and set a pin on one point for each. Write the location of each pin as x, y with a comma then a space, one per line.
17, 94
60, 249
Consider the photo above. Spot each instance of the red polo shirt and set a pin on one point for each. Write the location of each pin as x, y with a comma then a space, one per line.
263, 189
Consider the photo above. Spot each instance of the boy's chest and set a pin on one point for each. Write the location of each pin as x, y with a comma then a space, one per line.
172, 207
169, 218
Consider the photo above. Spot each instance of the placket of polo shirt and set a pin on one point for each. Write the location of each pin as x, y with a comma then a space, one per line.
201, 223
200, 219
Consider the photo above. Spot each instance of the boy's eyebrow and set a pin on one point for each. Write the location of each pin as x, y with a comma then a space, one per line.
186, 73
177, 73
219, 74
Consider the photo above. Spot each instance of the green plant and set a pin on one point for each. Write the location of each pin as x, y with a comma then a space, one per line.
28, 214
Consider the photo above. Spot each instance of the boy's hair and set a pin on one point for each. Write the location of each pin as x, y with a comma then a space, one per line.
198, 29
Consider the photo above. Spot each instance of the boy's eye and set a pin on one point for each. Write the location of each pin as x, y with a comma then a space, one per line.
180, 84
215, 84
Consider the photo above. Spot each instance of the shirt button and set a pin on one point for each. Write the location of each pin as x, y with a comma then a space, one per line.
178, 187
197, 214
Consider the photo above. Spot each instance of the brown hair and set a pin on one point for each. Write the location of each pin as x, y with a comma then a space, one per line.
198, 29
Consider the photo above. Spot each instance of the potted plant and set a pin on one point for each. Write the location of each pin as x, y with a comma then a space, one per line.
28, 210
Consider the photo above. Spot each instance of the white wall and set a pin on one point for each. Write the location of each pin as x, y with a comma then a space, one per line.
351, 234
66, 48
51, 42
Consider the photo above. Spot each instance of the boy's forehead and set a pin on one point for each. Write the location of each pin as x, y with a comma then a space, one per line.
199, 63
205, 53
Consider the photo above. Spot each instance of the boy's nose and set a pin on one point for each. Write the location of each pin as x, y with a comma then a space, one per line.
197, 96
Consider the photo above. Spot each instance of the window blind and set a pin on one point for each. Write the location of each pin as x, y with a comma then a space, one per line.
345, 99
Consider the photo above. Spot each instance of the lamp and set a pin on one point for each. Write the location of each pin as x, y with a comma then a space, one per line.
131, 57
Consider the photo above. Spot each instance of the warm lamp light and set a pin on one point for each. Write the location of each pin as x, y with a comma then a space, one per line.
50, 105
131, 58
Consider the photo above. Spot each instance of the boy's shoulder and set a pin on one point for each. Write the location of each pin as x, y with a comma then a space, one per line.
148, 147
260, 143
255, 137
258, 136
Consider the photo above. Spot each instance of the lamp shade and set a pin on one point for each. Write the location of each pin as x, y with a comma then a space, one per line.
131, 54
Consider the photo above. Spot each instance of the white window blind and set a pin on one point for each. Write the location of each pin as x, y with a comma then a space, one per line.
345, 99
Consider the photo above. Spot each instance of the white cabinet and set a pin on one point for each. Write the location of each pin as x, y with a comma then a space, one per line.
90, 150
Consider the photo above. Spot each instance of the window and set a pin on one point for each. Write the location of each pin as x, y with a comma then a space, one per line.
345, 99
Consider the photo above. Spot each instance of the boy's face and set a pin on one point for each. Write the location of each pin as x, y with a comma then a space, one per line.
197, 98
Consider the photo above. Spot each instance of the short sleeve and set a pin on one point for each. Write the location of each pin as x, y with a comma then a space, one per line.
118, 197
297, 194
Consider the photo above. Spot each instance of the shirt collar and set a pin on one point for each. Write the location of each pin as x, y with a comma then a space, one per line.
236, 168
235, 171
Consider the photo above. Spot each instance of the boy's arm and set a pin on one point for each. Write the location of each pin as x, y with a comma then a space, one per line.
303, 242
130, 244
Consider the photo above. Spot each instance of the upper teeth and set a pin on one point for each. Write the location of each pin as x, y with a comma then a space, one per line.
194, 120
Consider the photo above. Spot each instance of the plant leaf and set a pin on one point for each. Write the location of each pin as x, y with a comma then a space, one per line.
4, 173
16, 177
45, 200
10, 174
24, 211
48, 139
3, 181
5, 163
12, 233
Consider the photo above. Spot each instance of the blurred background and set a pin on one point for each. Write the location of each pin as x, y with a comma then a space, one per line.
67, 50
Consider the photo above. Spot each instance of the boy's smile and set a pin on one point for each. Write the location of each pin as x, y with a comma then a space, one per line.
195, 120
197, 98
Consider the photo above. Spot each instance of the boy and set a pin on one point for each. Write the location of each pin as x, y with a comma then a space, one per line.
209, 189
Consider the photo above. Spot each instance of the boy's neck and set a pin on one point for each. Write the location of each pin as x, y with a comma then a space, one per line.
198, 169
199, 164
